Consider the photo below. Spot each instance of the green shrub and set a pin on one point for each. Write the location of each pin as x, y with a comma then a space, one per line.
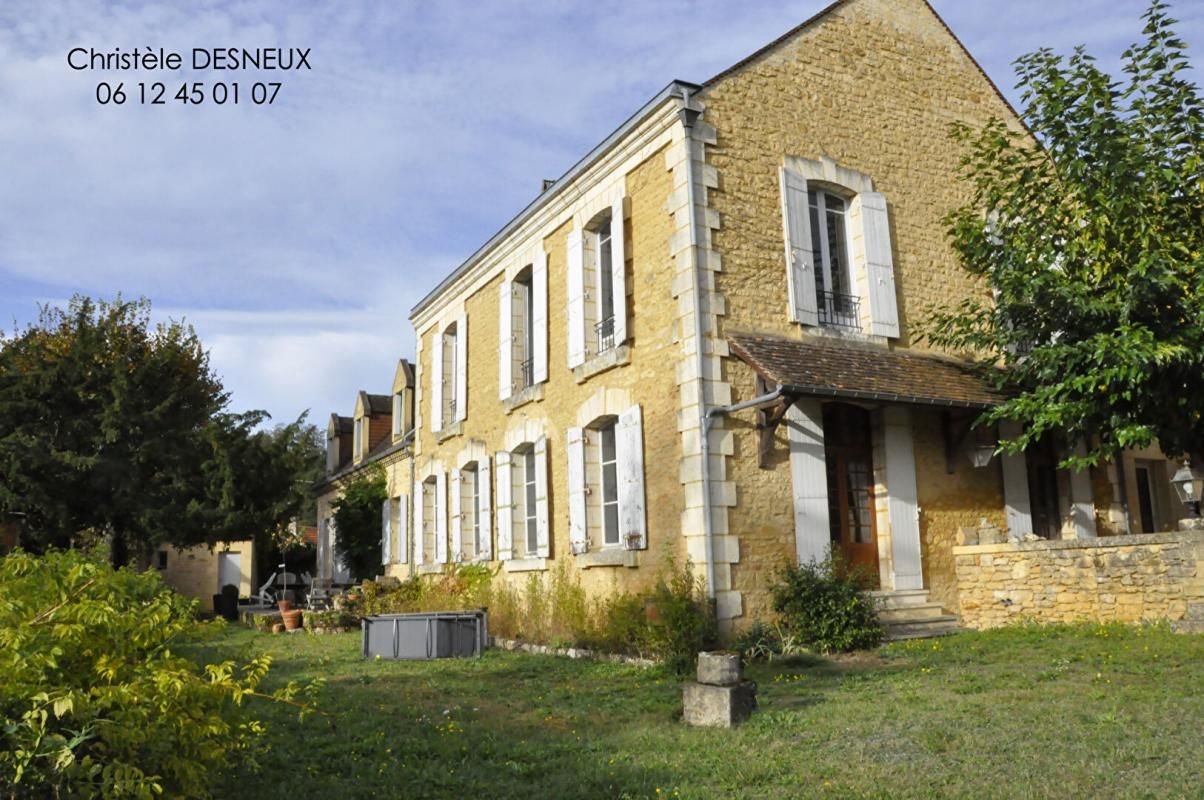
334, 618
825, 606
95, 699
680, 621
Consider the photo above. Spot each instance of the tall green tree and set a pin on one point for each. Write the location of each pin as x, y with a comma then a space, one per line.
112, 425
1092, 238
357, 519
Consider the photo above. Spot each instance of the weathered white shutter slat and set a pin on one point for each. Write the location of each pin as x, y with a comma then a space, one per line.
440, 517
575, 283
800, 260
420, 524
575, 451
543, 545
486, 551
1015, 486
403, 530
629, 452
505, 339
618, 270
437, 383
324, 570
457, 524
462, 368
539, 321
505, 506
808, 480
902, 498
386, 532
879, 264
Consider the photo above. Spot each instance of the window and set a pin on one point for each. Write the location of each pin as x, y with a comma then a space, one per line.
606, 483
522, 502
523, 328
838, 306
597, 285
523, 345
429, 514
528, 527
448, 355
398, 408
449, 358
161, 559
357, 446
470, 512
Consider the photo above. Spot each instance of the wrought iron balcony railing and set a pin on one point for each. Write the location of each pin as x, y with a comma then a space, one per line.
605, 331
526, 374
838, 310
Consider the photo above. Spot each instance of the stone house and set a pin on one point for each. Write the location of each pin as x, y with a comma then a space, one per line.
201, 571
700, 342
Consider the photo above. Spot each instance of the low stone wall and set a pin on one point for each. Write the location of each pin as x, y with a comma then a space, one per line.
1121, 578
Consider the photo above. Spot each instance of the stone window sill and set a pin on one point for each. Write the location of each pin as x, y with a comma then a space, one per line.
608, 557
532, 394
614, 357
526, 564
841, 333
429, 569
448, 431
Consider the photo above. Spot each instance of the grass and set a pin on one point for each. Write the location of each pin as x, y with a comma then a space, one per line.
1093, 711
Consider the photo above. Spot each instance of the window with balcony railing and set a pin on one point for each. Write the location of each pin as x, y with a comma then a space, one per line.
838, 306
604, 333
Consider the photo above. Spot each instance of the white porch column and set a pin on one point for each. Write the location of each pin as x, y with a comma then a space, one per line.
809, 479
902, 499
1082, 500
1015, 486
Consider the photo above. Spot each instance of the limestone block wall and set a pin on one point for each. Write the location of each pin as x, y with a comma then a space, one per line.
1121, 578
192, 571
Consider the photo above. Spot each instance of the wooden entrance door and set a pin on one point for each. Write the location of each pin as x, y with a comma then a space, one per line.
848, 452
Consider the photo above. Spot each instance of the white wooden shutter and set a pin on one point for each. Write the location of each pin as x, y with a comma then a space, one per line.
575, 283
324, 570
1082, 499
902, 498
543, 546
539, 317
462, 368
505, 337
575, 451
440, 517
386, 532
800, 259
629, 452
505, 507
486, 550
879, 264
618, 270
437, 383
457, 523
808, 480
420, 524
403, 530
1015, 486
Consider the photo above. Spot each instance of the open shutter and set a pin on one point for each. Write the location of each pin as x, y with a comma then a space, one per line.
420, 501
440, 517
629, 451
618, 269
542, 523
902, 500
575, 451
879, 264
800, 260
1015, 486
539, 317
505, 338
324, 570
505, 507
403, 530
386, 530
485, 553
462, 368
437, 383
457, 523
808, 480
575, 282
1082, 499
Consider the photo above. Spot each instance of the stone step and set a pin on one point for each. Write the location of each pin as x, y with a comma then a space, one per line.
908, 613
901, 599
921, 628
1188, 626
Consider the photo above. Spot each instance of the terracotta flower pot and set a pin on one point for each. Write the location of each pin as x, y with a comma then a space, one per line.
284, 605
292, 619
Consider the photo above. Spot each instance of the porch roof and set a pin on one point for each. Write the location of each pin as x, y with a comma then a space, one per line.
829, 367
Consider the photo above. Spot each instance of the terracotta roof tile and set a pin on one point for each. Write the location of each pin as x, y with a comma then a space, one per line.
823, 366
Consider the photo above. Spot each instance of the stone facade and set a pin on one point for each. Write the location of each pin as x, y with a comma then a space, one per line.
193, 571
1119, 578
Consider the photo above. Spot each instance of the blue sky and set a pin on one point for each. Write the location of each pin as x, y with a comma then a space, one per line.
296, 237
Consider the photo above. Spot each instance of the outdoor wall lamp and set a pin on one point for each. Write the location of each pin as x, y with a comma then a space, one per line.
981, 449
1188, 486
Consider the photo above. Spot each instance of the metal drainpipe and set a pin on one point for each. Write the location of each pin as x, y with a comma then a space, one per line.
688, 117
410, 502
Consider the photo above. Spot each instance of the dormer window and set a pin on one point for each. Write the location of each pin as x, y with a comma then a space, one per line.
398, 407
358, 438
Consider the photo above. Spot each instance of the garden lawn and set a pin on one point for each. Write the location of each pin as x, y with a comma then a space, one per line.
1083, 711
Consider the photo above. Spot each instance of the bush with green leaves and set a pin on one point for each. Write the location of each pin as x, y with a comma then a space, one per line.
98, 699
825, 606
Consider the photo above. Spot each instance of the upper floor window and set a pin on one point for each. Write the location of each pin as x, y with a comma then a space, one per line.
398, 410
357, 446
449, 375
840, 266
523, 331
597, 284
